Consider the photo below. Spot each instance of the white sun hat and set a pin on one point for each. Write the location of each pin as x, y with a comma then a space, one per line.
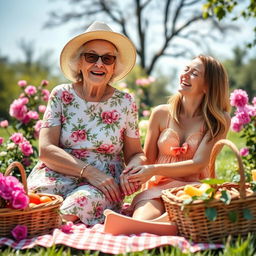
125, 59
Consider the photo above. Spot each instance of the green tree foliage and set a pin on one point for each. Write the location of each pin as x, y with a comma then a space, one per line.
221, 8
158, 28
242, 73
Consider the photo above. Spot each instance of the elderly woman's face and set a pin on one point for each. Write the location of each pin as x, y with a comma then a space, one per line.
98, 71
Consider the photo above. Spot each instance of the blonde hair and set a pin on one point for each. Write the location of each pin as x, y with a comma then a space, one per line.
215, 103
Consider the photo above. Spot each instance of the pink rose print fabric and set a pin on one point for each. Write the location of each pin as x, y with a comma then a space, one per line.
93, 132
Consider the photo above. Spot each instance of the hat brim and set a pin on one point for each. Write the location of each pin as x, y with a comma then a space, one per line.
125, 60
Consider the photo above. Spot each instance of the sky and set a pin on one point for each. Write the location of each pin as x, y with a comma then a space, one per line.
24, 20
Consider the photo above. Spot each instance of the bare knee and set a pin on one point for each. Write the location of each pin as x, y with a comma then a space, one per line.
149, 209
72, 218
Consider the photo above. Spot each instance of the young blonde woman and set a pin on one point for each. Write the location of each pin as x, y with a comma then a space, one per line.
181, 135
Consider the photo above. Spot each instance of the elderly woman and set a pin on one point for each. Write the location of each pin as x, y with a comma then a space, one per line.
90, 128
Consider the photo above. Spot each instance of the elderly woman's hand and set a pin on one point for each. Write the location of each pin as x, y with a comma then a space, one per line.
106, 184
127, 187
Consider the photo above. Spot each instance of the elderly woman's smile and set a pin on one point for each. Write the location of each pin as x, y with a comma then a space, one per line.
93, 67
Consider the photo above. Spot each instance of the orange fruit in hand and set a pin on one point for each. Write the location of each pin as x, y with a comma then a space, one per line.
45, 199
34, 198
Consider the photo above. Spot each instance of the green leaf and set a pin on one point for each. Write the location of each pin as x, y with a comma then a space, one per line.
211, 213
213, 181
247, 214
225, 197
232, 215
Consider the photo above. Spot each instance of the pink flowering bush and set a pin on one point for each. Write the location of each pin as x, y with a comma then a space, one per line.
244, 121
12, 193
23, 128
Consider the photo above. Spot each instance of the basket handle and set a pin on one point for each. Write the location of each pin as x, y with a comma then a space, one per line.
22, 172
216, 149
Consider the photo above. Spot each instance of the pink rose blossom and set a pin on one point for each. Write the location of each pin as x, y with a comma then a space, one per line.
19, 200
110, 117
79, 153
238, 98
105, 148
17, 138
98, 211
67, 97
26, 119
26, 148
244, 151
20, 232
44, 83
1, 140
243, 117
145, 113
236, 125
24, 100
68, 227
46, 94
63, 119
82, 201
4, 124
30, 90
128, 96
78, 135
33, 115
41, 108
134, 107
37, 128
22, 83
254, 101
18, 109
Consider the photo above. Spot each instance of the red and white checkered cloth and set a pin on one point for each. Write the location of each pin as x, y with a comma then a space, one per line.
95, 239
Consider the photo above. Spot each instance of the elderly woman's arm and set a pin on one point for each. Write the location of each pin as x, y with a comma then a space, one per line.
59, 160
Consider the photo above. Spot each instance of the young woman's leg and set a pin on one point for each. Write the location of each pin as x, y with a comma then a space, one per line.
149, 209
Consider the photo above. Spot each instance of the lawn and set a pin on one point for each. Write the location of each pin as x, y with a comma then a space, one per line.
225, 167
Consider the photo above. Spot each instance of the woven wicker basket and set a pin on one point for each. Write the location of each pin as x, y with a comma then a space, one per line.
39, 219
191, 220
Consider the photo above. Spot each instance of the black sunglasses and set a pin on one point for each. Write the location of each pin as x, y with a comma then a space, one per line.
93, 58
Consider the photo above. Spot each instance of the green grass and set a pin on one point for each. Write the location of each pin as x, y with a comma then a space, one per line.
225, 167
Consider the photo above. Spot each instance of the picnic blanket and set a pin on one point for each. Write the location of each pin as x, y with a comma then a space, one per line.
84, 238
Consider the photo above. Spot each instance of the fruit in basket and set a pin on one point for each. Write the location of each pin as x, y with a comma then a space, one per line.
34, 198
192, 191
45, 199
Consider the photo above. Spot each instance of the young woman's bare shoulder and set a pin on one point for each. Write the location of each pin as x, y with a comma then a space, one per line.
160, 115
161, 109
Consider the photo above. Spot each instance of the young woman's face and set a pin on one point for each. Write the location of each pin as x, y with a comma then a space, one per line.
97, 72
192, 78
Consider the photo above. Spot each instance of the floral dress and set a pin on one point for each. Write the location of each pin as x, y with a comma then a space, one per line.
94, 133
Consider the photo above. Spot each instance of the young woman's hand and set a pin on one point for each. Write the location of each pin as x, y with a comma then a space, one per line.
140, 174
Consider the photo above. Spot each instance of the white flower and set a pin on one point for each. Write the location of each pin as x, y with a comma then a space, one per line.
11, 146
3, 153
